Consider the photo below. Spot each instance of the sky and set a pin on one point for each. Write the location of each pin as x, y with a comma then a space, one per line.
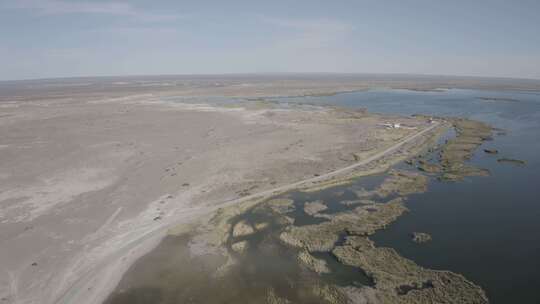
61, 38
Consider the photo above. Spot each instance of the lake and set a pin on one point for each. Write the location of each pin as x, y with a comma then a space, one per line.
486, 228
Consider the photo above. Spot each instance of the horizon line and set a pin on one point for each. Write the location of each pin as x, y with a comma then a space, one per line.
269, 74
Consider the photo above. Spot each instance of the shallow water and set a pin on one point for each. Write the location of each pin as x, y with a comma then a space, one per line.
486, 228
169, 274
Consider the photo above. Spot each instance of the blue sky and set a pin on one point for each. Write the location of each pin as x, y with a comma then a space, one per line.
60, 38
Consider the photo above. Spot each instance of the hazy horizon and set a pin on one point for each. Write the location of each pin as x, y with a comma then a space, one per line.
269, 74
405, 76
64, 39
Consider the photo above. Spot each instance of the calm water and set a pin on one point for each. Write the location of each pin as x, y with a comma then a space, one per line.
486, 228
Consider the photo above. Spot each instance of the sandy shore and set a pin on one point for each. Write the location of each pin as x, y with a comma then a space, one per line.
88, 184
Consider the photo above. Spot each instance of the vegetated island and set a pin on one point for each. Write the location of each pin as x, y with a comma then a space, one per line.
512, 161
420, 237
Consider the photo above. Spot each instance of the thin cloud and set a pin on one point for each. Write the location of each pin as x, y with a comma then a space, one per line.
311, 25
58, 7
310, 33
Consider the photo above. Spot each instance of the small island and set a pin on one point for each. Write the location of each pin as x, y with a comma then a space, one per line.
517, 162
420, 237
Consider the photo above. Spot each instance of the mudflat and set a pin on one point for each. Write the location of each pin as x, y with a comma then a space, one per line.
90, 181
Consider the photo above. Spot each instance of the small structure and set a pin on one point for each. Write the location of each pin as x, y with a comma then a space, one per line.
392, 125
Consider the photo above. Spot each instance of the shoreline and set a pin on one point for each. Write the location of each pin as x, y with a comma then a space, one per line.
245, 203
214, 237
